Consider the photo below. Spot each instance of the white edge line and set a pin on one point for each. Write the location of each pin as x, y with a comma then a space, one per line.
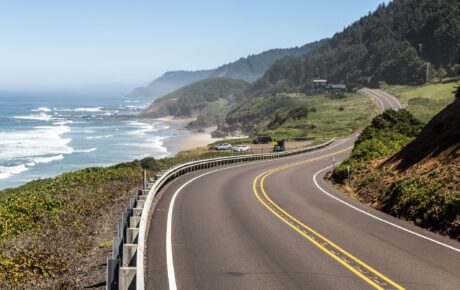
382, 106
377, 218
393, 97
169, 253
377, 97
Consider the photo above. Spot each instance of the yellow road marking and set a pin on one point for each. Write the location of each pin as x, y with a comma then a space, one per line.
312, 239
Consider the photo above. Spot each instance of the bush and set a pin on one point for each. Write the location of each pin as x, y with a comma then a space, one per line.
425, 202
385, 136
149, 163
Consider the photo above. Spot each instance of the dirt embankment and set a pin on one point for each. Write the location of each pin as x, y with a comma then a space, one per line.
421, 182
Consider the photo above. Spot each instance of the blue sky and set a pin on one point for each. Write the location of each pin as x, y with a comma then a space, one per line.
55, 44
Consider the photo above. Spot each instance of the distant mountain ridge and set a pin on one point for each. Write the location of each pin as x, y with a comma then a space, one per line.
169, 82
246, 68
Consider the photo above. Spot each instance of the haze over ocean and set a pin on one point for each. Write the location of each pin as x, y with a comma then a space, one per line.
42, 136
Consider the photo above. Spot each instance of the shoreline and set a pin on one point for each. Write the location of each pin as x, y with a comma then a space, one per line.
191, 139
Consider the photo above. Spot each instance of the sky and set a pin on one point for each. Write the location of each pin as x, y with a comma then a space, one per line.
55, 44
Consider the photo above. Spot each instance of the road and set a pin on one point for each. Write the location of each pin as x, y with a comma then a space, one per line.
278, 225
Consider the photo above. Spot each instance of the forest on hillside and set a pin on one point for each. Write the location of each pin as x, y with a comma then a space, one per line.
393, 44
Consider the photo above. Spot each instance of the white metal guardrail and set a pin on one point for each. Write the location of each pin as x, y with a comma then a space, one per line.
125, 270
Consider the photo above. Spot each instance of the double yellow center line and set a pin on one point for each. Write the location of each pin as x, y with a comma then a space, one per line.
358, 267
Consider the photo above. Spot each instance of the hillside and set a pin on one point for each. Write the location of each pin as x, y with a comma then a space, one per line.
248, 68
414, 176
208, 99
425, 101
254, 66
291, 115
382, 46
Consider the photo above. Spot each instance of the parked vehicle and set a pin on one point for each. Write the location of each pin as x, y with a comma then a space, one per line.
278, 145
241, 148
223, 146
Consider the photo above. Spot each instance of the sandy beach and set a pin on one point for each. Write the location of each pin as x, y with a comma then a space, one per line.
190, 139
197, 139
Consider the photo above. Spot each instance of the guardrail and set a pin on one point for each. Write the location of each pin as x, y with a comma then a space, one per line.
125, 270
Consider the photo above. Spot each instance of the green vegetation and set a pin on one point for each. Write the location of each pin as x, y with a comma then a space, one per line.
292, 115
208, 99
46, 225
426, 202
386, 135
382, 46
424, 101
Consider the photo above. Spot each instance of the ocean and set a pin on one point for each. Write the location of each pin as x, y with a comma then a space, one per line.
43, 135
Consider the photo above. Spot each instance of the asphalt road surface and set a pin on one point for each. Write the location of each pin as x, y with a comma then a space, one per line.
278, 225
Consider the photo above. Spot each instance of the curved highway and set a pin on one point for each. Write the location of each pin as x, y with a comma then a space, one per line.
276, 224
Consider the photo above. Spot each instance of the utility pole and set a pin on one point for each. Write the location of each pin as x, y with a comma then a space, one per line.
427, 71
420, 46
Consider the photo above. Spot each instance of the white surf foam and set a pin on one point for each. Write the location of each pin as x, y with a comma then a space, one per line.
41, 109
141, 128
8, 171
92, 109
89, 150
98, 137
48, 159
38, 117
63, 122
37, 142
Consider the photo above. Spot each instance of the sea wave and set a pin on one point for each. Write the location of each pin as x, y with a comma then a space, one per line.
141, 128
47, 159
98, 137
136, 107
63, 122
8, 171
41, 109
38, 117
37, 142
154, 143
89, 150
89, 109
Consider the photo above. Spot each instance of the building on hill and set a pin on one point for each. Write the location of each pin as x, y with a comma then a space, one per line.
320, 85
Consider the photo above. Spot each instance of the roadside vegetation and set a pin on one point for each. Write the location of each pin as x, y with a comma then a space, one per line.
52, 228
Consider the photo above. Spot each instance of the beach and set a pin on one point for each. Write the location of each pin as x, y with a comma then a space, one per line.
191, 139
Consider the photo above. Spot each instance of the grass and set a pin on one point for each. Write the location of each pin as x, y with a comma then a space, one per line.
46, 225
331, 117
424, 101
106, 244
